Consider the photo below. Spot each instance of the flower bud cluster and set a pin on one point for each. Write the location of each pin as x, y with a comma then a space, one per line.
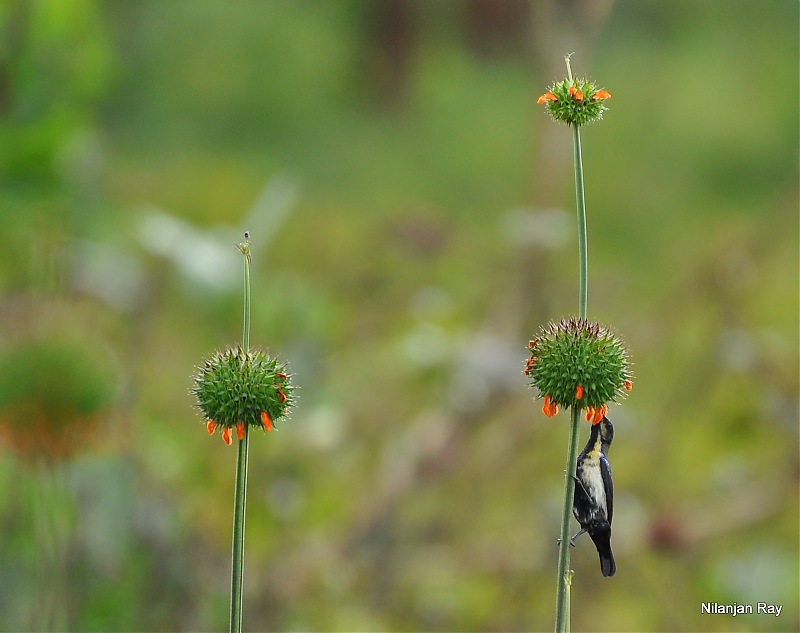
578, 363
234, 389
575, 102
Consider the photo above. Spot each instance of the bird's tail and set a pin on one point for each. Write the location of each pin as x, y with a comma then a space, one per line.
602, 541
607, 564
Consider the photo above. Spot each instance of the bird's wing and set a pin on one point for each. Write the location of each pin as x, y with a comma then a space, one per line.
608, 484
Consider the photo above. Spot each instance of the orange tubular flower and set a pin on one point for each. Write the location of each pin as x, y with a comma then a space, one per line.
579, 392
547, 96
600, 95
226, 435
211, 426
628, 385
575, 93
265, 421
549, 408
240, 430
599, 414
595, 414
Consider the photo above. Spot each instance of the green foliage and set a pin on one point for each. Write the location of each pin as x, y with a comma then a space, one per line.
57, 64
60, 377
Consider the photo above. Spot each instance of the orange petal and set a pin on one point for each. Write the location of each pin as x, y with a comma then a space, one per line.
547, 96
226, 435
572, 91
281, 395
628, 385
240, 430
280, 374
579, 392
578, 96
549, 408
265, 421
589, 413
211, 426
600, 95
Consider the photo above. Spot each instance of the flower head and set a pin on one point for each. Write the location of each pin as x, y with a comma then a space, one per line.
234, 389
578, 363
55, 396
567, 101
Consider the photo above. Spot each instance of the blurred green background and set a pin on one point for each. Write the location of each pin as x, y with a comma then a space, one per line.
412, 216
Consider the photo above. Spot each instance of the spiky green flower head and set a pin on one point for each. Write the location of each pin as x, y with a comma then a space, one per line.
235, 389
575, 101
578, 363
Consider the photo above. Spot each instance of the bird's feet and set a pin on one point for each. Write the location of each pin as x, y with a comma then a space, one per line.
574, 536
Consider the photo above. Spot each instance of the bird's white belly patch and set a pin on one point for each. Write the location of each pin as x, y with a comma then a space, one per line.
593, 482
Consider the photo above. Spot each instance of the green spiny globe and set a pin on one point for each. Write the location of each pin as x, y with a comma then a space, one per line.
578, 363
575, 102
235, 387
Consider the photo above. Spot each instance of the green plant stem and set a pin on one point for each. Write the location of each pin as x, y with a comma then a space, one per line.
240, 492
564, 579
564, 574
583, 254
245, 248
237, 566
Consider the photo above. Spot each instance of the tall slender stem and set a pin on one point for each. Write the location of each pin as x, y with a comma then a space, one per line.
564, 579
240, 492
245, 249
583, 255
564, 573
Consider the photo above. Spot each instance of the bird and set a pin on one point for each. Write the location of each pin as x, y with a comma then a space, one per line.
593, 501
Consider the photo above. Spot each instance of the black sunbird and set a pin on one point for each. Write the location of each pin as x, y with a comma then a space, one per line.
593, 503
